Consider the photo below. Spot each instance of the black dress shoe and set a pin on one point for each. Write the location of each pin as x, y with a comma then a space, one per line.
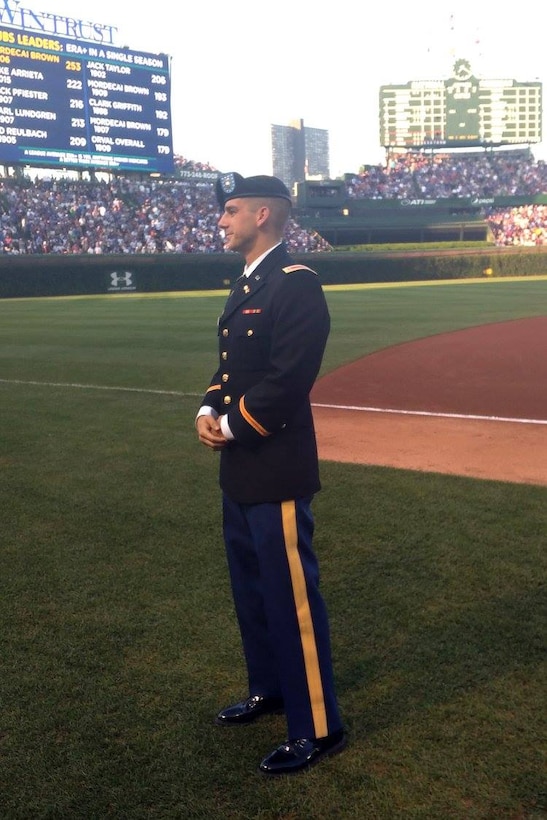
297, 755
249, 710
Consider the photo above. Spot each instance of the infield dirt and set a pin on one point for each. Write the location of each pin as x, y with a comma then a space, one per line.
472, 402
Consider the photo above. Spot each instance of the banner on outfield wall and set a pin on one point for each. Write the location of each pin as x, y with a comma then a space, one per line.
121, 282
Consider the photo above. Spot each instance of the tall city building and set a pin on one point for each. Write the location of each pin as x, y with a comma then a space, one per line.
299, 153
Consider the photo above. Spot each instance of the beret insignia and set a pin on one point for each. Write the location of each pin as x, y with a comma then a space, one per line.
227, 183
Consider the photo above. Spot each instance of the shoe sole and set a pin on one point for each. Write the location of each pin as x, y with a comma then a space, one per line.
219, 722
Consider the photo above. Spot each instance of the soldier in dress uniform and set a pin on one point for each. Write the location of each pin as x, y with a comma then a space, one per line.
256, 412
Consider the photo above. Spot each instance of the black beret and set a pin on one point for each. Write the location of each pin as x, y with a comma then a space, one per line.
234, 186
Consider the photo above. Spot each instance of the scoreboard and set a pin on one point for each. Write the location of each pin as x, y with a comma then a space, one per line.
70, 103
461, 111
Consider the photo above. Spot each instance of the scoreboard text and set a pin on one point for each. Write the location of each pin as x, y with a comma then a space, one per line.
74, 104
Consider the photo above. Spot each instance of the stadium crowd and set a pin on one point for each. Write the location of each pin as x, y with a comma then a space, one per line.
178, 215
522, 225
423, 174
118, 216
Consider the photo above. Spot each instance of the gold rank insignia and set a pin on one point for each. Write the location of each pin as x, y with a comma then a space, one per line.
292, 268
246, 289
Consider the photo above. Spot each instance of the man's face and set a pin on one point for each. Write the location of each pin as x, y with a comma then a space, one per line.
239, 221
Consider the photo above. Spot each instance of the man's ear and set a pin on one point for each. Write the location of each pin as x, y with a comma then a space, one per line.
262, 214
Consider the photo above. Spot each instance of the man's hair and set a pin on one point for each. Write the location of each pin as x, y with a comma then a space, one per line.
280, 211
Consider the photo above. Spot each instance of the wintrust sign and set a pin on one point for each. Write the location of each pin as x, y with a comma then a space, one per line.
12, 13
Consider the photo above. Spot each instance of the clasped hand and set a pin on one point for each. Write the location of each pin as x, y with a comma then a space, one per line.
210, 433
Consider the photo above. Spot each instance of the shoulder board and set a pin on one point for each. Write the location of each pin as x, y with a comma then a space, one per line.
292, 268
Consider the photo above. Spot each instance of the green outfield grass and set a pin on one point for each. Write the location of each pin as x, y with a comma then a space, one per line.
118, 639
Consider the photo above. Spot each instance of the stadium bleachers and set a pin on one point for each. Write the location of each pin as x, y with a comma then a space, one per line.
426, 196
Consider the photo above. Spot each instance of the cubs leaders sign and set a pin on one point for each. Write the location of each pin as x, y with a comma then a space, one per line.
69, 97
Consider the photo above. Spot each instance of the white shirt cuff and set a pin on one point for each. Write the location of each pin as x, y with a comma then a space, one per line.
225, 428
205, 410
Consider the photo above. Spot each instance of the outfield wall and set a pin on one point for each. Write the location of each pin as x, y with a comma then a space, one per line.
54, 275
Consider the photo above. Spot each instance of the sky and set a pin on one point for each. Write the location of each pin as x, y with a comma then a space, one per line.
238, 67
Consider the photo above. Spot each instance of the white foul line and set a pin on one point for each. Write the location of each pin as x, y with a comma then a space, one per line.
75, 385
464, 416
